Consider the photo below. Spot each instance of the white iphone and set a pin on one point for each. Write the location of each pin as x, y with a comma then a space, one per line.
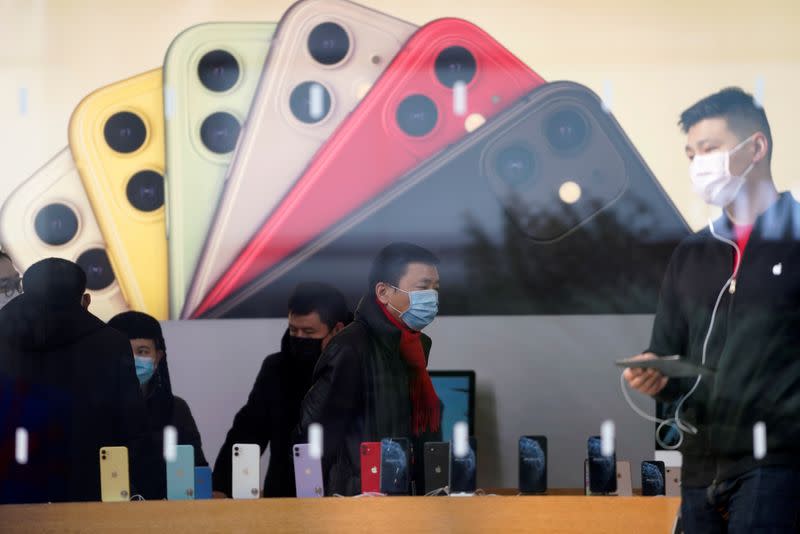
246, 471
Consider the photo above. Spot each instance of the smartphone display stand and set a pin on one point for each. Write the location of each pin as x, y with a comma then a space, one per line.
624, 480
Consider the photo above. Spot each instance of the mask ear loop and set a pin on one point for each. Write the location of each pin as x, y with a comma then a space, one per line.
676, 422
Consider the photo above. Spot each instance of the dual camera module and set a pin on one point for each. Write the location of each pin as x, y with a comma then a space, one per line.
56, 225
417, 114
566, 132
125, 132
328, 44
219, 72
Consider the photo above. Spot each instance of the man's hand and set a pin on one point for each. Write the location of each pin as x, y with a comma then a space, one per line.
218, 495
647, 381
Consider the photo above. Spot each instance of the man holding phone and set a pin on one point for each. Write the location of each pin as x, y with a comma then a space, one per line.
731, 302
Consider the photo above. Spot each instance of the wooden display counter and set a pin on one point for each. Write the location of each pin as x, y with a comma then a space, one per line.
552, 514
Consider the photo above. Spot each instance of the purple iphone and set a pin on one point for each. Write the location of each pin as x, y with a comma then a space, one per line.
307, 473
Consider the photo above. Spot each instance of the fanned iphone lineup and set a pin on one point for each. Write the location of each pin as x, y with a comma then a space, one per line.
261, 155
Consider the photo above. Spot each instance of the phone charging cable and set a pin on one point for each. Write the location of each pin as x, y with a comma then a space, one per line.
676, 422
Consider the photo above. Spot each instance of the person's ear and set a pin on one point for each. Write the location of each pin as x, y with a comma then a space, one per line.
338, 327
382, 291
86, 300
761, 144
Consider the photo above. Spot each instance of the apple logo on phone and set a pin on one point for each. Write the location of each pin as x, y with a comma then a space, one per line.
438, 469
374, 470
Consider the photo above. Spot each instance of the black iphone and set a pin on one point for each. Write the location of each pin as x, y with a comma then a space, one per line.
395, 466
602, 469
653, 478
532, 464
464, 470
436, 461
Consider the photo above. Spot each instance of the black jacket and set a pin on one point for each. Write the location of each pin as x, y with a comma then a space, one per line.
754, 345
70, 381
268, 418
360, 393
165, 408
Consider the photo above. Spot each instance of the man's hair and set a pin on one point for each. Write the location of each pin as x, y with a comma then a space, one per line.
138, 325
324, 299
55, 282
739, 109
392, 262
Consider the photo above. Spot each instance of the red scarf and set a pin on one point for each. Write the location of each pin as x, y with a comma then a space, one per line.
425, 407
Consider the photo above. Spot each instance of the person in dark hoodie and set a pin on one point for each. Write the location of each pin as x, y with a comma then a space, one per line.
731, 301
317, 312
372, 381
69, 381
163, 407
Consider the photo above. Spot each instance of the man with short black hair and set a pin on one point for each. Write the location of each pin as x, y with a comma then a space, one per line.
69, 380
731, 300
317, 312
372, 381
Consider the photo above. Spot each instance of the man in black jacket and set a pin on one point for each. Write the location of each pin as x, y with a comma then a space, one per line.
317, 312
731, 300
69, 380
372, 380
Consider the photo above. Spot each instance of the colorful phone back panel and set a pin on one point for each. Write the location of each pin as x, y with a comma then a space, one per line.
370, 467
116, 135
49, 215
246, 471
180, 474
211, 72
352, 46
114, 477
202, 482
307, 473
408, 116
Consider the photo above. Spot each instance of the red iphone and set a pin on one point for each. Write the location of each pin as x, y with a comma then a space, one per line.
370, 467
447, 79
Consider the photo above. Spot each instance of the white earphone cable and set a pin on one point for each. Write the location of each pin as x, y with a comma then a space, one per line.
682, 426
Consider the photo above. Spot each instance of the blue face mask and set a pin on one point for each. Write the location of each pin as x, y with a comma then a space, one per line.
145, 367
422, 310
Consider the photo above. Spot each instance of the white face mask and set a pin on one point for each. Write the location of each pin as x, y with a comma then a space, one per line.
712, 178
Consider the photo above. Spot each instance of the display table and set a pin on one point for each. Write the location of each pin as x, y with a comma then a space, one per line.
551, 513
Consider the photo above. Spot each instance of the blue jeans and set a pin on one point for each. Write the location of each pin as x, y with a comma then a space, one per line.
764, 500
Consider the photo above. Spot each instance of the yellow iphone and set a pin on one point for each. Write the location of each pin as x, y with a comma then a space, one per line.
116, 135
114, 480
49, 215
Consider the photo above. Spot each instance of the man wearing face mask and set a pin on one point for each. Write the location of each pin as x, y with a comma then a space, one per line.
372, 381
731, 301
163, 407
317, 312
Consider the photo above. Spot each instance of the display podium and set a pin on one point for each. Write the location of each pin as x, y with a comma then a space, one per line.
553, 514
